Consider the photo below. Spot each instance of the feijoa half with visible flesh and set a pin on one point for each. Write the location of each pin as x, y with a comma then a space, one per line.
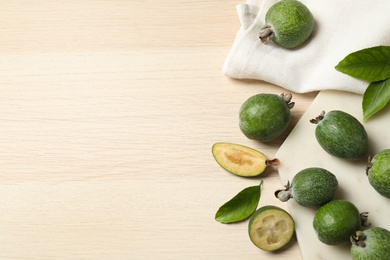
265, 116
241, 160
288, 23
336, 221
378, 171
271, 228
311, 187
371, 244
341, 135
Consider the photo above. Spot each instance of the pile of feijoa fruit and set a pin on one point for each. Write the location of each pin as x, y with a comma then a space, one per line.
264, 117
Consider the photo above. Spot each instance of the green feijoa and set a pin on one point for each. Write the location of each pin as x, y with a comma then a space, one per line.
288, 23
341, 135
371, 244
271, 228
378, 171
311, 187
265, 116
336, 221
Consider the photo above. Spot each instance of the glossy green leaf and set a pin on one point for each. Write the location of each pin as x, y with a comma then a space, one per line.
376, 96
371, 64
240, 206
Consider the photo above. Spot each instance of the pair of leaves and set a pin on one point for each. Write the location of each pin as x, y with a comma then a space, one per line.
241, 206
372, 65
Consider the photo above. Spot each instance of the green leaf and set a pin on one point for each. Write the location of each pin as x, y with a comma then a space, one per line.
240, 206
376, 96
371, 64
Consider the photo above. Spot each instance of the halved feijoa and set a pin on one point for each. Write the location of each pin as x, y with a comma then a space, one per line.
270, 228
241, 160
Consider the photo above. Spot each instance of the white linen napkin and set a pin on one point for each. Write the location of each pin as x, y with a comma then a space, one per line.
342, 27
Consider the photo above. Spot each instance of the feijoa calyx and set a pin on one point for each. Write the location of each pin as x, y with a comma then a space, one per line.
336, 221
265, 116
311, 187
288, 23
378, 171
341, 135
371, 244
241, 160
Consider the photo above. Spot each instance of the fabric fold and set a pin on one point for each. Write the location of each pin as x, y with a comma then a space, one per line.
342, 27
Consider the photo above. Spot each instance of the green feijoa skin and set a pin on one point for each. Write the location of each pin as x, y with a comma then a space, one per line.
271, 228
378, 171
341, 135
288, 23
336, 221
264, 117
371, 244
311, 187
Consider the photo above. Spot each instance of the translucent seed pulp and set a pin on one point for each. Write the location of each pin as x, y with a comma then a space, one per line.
271, 229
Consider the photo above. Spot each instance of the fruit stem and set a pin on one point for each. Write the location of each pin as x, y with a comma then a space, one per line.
364, 219
266, 33
273, 162
369, 164
284, 194
318, 118
358, 239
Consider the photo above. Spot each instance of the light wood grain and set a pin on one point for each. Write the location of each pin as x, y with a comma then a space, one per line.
108, 113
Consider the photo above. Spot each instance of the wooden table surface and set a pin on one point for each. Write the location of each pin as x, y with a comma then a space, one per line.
109, 109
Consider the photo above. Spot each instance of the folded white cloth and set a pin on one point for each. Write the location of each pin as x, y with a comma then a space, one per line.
341, 27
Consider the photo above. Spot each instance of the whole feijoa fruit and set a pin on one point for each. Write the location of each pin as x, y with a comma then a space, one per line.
341, 135
378, 171
288, 23
371, 244
265, 116
311, 187
271, 228
241, 160
336, 221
